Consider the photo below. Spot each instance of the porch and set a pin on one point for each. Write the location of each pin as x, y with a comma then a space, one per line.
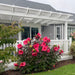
35, 18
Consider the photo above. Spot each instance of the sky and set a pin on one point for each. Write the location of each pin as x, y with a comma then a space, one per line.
62, 5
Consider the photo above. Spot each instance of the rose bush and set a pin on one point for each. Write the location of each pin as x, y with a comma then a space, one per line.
36, 55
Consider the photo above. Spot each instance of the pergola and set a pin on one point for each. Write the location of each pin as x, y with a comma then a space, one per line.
10, 13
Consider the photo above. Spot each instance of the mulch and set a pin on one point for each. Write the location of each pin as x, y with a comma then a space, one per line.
59, 64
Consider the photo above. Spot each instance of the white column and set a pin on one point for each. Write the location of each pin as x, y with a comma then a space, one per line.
66, 26
62, 31
19, 34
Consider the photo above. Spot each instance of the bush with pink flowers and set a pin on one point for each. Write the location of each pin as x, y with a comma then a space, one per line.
36, 55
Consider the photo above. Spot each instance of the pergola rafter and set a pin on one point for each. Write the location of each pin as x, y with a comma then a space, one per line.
29, 14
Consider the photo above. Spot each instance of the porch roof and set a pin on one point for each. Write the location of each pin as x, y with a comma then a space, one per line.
10, 13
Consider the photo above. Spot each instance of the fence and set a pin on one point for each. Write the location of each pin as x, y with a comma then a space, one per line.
64, 44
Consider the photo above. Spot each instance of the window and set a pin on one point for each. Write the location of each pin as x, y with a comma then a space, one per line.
34, 31
29, 32
58, 32
25, 32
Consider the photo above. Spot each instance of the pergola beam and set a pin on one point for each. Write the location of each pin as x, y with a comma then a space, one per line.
38, 20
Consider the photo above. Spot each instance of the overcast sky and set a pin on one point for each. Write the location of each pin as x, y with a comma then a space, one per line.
63, 5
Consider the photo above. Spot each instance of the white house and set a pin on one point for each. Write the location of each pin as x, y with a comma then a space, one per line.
37, 17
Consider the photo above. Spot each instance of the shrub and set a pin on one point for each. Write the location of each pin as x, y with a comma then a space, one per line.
36, 55
72, 48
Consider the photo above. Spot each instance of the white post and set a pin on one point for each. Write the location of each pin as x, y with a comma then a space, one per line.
66, 26
65, 39
62, 31
70, 39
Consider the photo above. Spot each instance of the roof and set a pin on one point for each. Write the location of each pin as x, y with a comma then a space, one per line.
30, 4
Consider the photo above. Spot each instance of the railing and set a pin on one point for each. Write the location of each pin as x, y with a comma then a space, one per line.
64, 44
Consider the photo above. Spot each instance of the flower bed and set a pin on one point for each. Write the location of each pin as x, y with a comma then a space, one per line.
36, 55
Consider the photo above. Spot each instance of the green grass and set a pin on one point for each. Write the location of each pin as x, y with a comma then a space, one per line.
65, 70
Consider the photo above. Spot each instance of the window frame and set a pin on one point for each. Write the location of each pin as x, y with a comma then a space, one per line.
57, 33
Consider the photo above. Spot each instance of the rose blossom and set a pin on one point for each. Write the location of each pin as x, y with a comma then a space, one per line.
58, 47
48, 40
43, 44
15, 64
1, 61
37, 50
19, 46
48, 50
44, 48
25, 42
28, 39
36, 45
20, 52
39, 34
61, 51
45, 39
22, 64
55, 49
34, 54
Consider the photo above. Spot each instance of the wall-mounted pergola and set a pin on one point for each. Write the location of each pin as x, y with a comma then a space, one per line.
10, 13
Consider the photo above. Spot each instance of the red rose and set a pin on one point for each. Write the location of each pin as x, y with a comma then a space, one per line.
48, 50
45, 39
22, 64
53, 66
19, 46
43, 44
61, 51
44, 48
34, 54
36, 45
15, 64
20, 52
25, 42
55, 49
39, 34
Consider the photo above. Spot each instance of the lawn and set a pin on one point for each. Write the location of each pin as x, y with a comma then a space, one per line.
65, 70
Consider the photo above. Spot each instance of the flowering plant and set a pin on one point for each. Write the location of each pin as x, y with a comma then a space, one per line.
36, 54
73, 36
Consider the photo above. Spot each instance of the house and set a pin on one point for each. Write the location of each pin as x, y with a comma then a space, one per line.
37, 17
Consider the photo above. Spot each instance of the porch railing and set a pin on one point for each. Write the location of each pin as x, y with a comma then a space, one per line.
64, 44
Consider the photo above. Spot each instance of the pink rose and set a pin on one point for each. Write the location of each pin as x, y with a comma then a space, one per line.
15, 64
39, 34
28, 39
53, 66
48, 50
48, 40
36, 45
61, 51
1, 61
19, 46
22, 64
55, 49
25, 42
43, 44
37, 50
45, 39
58, 47
20, 52
44, 48
34, 54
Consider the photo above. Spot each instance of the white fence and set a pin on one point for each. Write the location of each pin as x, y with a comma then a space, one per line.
64, 44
